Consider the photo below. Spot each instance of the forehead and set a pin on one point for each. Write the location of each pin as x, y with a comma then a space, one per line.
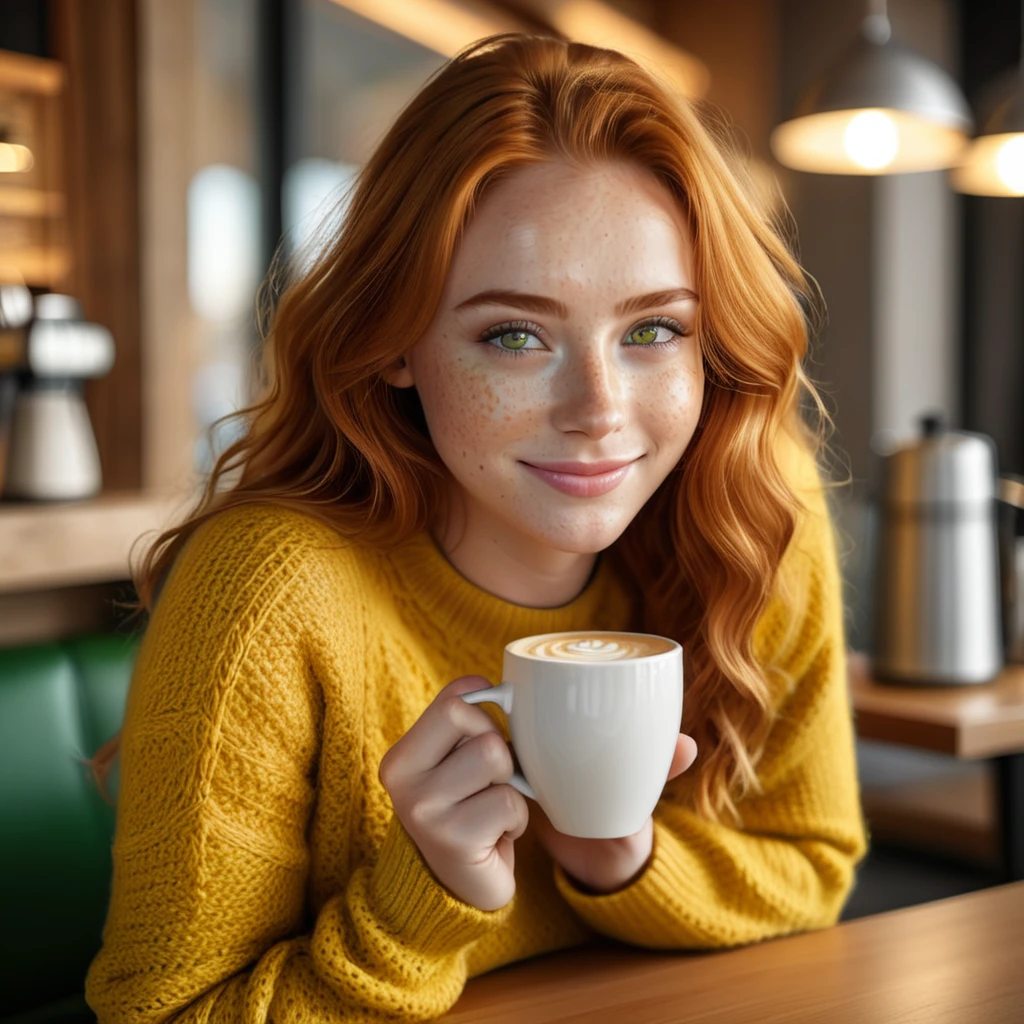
610, 225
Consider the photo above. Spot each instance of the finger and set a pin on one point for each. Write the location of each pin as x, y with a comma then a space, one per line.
685, 755
482, 761
446, 720
485, 817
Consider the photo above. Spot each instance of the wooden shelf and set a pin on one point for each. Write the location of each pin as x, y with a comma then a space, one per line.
41, 266
21, 73
981, 720
72, 543
44, 616
31, 202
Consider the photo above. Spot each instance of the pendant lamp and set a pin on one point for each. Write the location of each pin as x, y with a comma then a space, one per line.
993, 164
882, 108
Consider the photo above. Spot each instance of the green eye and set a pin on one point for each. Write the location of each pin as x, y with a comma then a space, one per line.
514, 339
643, 335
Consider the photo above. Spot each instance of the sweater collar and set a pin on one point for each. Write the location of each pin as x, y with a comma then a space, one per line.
461, 608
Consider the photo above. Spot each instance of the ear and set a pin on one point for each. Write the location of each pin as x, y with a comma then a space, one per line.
399, 374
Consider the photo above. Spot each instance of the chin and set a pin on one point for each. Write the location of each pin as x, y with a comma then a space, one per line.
582, 538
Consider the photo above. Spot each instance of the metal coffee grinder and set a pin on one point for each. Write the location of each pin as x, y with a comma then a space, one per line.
52, 449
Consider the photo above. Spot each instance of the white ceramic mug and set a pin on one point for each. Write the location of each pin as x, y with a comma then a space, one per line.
594, 728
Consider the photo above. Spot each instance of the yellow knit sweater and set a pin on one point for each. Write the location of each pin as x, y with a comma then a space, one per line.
259, 873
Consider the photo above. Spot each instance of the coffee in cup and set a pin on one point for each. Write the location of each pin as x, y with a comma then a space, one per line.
592, 646
594, 717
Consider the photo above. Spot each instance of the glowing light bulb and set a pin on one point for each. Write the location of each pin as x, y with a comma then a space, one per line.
14, 158
871, 139
1010, 164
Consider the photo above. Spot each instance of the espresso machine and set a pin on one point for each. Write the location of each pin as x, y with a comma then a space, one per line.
51, 350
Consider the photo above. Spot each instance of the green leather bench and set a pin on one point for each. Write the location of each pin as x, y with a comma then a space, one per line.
58, 702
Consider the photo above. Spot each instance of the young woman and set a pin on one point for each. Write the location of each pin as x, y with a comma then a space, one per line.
546, 378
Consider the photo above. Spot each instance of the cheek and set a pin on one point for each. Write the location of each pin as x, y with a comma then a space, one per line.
471, 408
672, 407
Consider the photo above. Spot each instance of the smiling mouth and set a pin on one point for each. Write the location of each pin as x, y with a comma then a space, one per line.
582, 485
579, 468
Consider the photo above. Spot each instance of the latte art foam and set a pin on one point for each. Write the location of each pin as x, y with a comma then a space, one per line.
592, 647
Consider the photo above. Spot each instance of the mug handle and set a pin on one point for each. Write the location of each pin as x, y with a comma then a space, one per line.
502, 696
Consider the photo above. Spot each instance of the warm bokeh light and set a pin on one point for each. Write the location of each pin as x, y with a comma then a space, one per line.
866, 141
992, 166
440, 25
599, 24
14, 158
446, 26
871, 139
1010, 164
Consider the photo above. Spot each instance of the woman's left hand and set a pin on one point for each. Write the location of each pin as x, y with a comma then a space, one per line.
604, 865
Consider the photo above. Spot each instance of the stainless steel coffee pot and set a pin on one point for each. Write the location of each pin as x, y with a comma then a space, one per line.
937, 575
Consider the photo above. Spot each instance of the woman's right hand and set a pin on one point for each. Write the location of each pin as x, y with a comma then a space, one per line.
447, 779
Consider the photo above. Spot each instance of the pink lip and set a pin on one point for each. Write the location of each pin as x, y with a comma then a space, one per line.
582, 479
582, 468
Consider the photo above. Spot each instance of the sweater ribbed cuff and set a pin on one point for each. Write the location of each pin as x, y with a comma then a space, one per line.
414, 905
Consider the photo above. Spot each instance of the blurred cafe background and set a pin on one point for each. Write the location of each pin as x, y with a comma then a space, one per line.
153, 155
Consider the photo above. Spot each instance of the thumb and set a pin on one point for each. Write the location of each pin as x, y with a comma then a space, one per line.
685, 755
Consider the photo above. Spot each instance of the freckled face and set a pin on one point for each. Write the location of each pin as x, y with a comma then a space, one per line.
508, 382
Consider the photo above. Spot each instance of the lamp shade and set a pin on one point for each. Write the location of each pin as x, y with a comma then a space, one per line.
993, 164
881, 109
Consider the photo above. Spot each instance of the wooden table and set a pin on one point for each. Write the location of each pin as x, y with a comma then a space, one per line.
956, 961
980, 721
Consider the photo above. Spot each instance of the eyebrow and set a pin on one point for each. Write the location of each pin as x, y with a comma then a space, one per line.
543, 304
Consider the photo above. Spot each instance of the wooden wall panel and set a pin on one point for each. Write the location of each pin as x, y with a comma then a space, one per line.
96, 42
167, 162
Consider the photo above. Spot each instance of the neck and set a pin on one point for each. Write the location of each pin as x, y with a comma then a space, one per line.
514, 568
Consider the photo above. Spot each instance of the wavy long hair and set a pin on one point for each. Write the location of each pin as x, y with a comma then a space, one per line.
330, 437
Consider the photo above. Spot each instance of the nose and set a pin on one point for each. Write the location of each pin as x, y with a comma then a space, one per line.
591, 396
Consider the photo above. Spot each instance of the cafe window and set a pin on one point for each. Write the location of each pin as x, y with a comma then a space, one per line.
290, 99
346, 79
224, 259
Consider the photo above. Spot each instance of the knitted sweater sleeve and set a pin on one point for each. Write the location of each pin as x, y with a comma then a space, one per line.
790, 866
208, 918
